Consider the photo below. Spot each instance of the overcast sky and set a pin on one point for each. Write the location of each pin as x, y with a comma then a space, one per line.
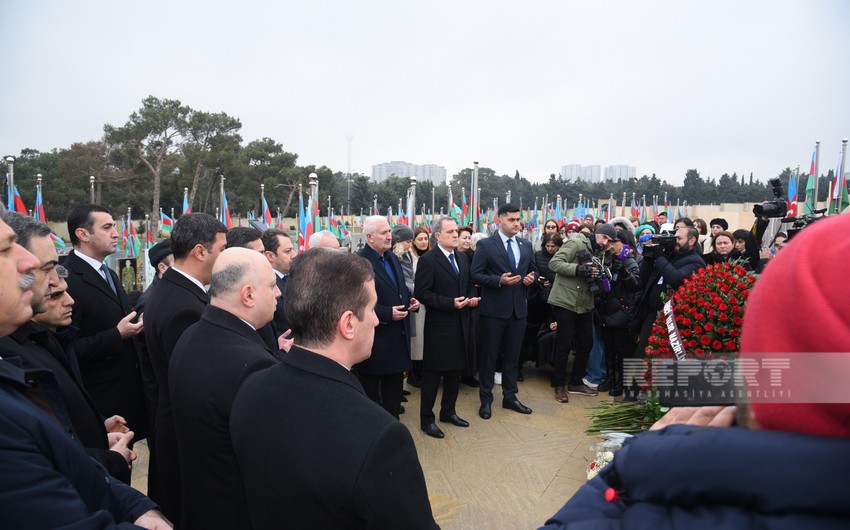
664, 86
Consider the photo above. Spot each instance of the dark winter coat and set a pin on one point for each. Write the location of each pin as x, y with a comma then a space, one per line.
617, 308
707, 478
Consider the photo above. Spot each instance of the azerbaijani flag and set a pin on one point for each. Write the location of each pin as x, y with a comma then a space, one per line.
809, 205
58, 242
838, 202
267, 214
302, 224
333, 226
39, 206
454, 210
149, 239
19, 202
166, 224
225, 214
186, 208
792, 196
125, 235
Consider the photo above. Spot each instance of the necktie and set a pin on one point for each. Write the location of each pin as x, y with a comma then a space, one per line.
389, 268
511, 257
454, 264
105, 270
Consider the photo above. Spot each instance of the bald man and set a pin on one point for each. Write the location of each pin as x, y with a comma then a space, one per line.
208, 364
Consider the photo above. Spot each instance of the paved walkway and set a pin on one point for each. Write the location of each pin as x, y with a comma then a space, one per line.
509, 472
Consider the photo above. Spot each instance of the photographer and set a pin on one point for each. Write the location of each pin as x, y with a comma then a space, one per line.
663, 267
576, 275
616, 310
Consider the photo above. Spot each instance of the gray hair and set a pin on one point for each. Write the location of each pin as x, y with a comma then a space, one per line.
370, 224
25, 227
227, 279
437, 225
317, 238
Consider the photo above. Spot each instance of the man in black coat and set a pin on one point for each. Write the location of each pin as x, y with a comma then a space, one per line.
177, 303
658, 272
314, 450
504, 279
208, 364
105, 344
48, 480
35, 347
443, 285
382, 374
279, 250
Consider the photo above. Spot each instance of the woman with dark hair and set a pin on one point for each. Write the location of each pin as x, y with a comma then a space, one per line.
723, 244
421, 241
464, 238
421, 245
779, 241
539, 310
746, 244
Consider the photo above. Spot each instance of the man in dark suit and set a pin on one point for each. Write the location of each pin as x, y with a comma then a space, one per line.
314, 450
105, 344
177, 303
443, 285
382, 374
209, 363
279, 250
35, 347
48, 479
504, 267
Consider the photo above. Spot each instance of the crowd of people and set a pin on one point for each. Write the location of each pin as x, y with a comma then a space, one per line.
239, 342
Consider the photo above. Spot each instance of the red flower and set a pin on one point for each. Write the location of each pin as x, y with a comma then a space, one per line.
731, 345
738, 321
717, 345
723, 317
709, 326
705, 340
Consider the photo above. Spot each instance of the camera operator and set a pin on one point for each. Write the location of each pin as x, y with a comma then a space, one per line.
660, 269
571, 298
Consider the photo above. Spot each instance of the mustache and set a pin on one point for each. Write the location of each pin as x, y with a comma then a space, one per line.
27, 280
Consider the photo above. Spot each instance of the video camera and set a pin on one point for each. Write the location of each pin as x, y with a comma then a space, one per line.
776, 207
604, 276
799, 223
658, 244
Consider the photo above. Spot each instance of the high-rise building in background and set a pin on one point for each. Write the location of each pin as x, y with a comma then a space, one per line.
571, 172
591, 173
430, 172
594, 173
614, 173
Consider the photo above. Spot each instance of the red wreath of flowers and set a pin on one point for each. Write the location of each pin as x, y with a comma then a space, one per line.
709, 310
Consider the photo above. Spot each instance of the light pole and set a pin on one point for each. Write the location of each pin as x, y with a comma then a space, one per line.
474, 187
10, 164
